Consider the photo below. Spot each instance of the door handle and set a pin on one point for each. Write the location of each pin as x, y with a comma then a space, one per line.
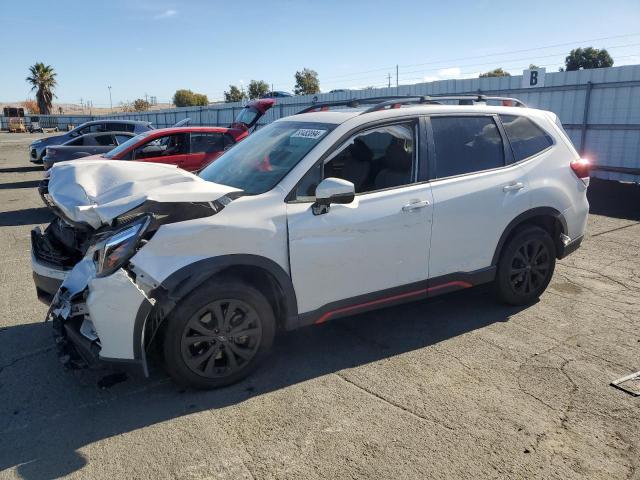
513, 187
415, 205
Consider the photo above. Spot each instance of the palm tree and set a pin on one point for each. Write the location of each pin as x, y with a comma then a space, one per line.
43, 79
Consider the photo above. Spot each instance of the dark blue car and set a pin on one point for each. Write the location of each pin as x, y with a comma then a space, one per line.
38, 148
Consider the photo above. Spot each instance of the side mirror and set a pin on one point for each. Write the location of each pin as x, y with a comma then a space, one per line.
332, 190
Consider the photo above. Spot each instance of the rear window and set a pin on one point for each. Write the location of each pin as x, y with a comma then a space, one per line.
526, 138
120, 127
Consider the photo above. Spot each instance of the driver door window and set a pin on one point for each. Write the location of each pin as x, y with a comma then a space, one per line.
167, 146
375, 159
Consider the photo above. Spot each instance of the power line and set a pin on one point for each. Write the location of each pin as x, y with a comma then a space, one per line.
433, 62
365, 78
518, 67
524, 50
515, 59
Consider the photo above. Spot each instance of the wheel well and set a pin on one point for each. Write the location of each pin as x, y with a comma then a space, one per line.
257, 277
264, 282
548, 222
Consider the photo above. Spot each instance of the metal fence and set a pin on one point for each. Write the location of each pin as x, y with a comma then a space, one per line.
600, 109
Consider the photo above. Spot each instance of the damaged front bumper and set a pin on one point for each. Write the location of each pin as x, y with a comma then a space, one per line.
99, 319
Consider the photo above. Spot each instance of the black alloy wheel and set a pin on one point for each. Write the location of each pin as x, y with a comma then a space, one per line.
221, 338
526, 266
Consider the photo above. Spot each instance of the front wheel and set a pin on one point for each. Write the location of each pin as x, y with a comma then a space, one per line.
526, 266
218, 335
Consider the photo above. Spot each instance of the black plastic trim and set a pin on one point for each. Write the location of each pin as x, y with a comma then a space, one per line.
534, 212
46, 287
180, 283
397, 295
566, 250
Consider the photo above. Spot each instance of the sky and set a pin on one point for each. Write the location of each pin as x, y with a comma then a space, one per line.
156, 47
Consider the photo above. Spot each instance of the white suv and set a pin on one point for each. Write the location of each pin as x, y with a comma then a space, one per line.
316, 216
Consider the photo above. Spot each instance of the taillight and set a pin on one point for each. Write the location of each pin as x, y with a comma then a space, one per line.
581, 169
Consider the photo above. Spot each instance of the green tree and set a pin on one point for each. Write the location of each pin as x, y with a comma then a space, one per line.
586, 58
200, 99
140, 105
187, 98
257, 88
43, 79
234, 94
496, 72
307, 82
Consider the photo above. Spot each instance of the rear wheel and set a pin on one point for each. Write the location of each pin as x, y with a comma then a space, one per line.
218, 335
526, 266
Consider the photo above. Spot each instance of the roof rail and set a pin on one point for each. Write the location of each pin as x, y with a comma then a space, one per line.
395, 101
351, 103
435, 99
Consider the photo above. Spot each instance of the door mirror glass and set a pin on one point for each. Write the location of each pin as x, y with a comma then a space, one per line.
332, 190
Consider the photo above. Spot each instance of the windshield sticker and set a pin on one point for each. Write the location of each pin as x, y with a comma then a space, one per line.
310, 133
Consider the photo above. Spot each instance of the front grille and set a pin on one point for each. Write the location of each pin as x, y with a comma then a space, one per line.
44, 252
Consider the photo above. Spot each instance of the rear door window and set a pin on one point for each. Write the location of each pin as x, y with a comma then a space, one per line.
466, 144
104, 140
122, 138
206, 142
526, 138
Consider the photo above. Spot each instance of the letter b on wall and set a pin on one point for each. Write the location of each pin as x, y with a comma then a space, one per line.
533, 78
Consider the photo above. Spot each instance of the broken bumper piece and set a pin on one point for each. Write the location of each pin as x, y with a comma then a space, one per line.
94, 318
75, 350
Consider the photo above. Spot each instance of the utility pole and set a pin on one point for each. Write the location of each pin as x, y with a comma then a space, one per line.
81, 104
110, 101
146, 98
396, 79
388, 80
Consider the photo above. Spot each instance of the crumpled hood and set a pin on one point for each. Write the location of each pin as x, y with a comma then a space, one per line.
97, 191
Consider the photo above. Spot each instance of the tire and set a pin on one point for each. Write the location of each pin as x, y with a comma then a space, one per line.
220, 358
526, 266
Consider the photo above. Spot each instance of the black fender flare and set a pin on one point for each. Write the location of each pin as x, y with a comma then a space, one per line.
184, 280
513, 224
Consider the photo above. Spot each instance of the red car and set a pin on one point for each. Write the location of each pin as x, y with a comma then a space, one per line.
190, 148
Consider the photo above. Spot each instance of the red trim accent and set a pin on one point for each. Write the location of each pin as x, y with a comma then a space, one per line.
457, 283
331, 313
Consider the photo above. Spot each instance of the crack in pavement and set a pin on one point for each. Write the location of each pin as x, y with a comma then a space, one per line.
27, 355
574, 388
93, 404
600, 274
614, 229
394, 404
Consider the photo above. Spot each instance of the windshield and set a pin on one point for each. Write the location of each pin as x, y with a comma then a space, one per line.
74, 132
125, 146
257, 164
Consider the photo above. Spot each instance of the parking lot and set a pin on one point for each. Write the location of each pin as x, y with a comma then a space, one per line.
457, 387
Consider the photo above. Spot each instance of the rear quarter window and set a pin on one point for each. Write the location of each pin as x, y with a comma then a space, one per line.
526, 138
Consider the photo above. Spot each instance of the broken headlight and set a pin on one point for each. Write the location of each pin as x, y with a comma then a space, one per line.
114, 251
